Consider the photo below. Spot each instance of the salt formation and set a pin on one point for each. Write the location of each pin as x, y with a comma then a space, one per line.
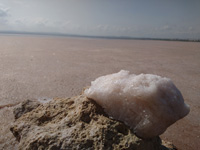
147, 103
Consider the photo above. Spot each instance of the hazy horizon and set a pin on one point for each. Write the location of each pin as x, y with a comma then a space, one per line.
52, 34
144, 19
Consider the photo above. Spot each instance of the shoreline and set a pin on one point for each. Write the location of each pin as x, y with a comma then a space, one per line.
43, 34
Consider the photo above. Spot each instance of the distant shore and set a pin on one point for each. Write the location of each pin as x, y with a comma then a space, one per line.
93, 36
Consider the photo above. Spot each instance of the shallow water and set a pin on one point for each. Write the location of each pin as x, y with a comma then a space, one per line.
48, 67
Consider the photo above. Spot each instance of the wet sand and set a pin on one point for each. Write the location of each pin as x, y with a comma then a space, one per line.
47, 67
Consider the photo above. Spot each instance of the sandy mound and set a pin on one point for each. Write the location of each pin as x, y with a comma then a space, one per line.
74, 123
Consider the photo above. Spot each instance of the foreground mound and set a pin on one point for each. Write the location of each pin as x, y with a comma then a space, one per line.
74, 123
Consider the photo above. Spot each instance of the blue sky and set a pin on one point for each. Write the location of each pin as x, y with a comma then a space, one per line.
135, 18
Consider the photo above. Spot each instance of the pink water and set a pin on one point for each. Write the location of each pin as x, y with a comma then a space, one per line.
48, 67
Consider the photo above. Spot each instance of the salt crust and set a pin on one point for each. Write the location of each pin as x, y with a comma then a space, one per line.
147, 103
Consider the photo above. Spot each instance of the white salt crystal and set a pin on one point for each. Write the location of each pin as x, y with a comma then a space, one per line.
147, 103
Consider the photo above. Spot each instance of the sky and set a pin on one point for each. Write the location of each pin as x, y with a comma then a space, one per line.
133, 18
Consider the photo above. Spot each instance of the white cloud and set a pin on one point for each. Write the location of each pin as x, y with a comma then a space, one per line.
21, 3
190, 28
4, 11
32, 24
4, 14
107, 28
176, 31
166, 27
39, 24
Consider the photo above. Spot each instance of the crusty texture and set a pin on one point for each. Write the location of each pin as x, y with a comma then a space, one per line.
76, 123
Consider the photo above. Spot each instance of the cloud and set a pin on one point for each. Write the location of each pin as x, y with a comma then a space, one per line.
176, 31
4, 15
4, 11
29, 24
190, 28
114, 28
21, 3
166, 28
40, 24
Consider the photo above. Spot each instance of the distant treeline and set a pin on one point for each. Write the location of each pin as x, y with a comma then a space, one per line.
89, 36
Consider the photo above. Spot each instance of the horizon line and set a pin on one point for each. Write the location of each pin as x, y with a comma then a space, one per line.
95, 36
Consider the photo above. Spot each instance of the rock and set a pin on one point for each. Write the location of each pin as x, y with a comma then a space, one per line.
75, 123
25, 107
142, 101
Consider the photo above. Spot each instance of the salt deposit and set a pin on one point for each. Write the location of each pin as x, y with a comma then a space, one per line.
147, 103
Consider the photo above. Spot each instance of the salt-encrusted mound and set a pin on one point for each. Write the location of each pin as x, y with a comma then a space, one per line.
147, 103
75, 124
